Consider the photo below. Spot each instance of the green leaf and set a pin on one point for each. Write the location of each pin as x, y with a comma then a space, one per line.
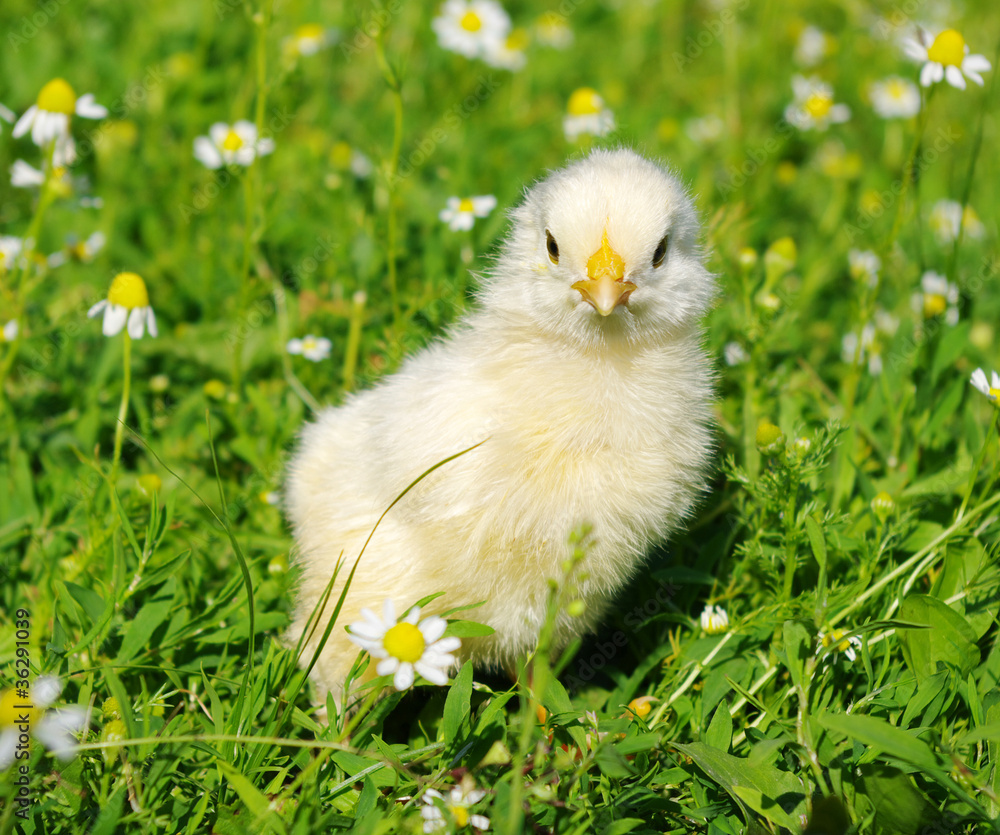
798, 647
612, 763
720, 729
899, 806
145, 623
948, 640
817, 541
776, 795
623, 825
467, 629
255, 801
457, 706
893, 741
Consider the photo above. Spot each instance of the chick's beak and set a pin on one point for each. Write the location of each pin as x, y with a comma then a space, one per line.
605, 287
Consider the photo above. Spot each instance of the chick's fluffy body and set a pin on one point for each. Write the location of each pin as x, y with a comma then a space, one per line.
582, 418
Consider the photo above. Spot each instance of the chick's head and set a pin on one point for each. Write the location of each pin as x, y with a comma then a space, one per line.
605, 248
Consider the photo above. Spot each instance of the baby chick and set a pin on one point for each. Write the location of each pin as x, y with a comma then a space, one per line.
582, 377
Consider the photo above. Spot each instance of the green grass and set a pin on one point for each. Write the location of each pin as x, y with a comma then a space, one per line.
140, 590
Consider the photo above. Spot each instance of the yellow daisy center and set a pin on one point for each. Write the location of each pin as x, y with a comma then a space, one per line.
460, 814
994, 395
466, 205
340, 155
896, 89
934, 305
310, 31
518, 39
57, 97
818, 105
232, 142
585, 102
309, 344
471, 22
948, 49
10, 714
129, 291
405, 642
836, 640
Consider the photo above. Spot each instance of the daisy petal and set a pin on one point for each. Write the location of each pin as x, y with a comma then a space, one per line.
115, 317
403, 680
24, 123
97, 308
136, 323
89, 109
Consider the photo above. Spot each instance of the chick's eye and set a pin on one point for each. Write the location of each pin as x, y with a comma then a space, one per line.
552, 247
660, 252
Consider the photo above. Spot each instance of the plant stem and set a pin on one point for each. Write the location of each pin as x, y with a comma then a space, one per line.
975, 470
123, 408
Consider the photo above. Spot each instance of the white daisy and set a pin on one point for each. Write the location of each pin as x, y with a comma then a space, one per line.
835, 639
10, 248
311, 347
9, 331
586, 113
945, 56
460, 799
812, 47
937, 296
849, 349
735, 354
552, 30
991, 387
49, 117
714, 620
813, 107
864, 266
236, 145
76, 250
127, 302
510, 53
895, 98
947, 217
406, 646
471, 28
28, 714
309, 39
461, 212
705, 130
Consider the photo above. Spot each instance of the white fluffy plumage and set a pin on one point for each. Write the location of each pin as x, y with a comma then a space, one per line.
582, 375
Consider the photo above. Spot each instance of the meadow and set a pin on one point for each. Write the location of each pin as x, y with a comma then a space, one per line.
816, 653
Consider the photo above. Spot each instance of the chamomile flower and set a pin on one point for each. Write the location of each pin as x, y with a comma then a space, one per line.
461, 212
510, 53
946, 56
8, 333
231, 145
895, 98
76, 250
990, 387
864, 266
30, 714
456, 808
813, 46
471, 28
586, 113
813, 107
938, 296
308, 40
835, 639
127, 303
314, 348
551, 29
849, 349
947, 217
714, 620
406, 646
48, 118
734, 354
10, 249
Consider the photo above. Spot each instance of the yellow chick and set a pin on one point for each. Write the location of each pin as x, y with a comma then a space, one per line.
582, 376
